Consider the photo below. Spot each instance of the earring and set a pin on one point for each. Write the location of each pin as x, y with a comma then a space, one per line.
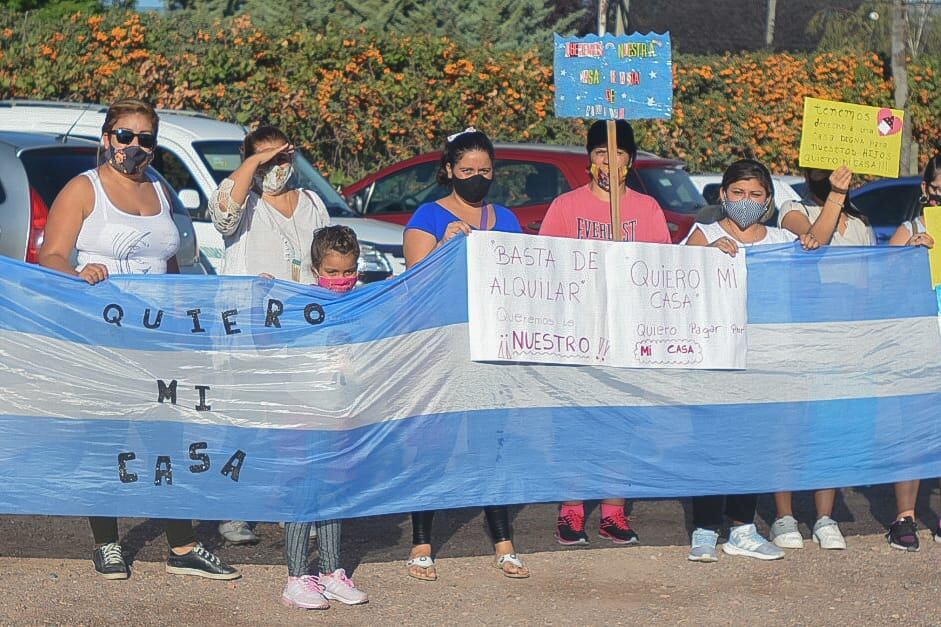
923, 199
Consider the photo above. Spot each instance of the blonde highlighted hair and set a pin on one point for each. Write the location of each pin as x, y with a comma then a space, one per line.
128, 106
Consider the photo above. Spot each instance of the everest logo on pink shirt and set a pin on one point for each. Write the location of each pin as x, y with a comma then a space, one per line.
592, 229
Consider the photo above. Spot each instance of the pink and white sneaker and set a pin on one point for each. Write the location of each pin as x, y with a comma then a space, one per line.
304, 592
338, 587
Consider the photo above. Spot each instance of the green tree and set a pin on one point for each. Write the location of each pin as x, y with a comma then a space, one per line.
505, 24
55, 7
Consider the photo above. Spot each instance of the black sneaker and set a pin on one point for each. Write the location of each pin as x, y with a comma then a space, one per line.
903, 535
109, 561
570, 529
617, 529
937, 531
201, 563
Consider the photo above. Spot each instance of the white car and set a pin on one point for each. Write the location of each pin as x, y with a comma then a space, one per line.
708, 185
194, 154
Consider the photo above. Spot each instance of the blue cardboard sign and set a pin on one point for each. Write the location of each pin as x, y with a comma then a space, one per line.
626, 77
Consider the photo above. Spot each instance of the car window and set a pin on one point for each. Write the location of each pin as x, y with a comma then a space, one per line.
179, 177
888, 206
224, 156
521, 183
671, 187
49, 169
407, 189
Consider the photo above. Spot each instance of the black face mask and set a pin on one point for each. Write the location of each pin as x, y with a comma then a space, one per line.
130, 160
473, 189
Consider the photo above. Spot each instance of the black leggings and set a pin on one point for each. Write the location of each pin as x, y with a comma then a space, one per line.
498, 521
708, 510
105, 530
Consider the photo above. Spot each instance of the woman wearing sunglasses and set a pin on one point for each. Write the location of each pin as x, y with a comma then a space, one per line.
117, 217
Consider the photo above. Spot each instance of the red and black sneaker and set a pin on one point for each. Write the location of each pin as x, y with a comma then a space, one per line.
617, 529
570, 528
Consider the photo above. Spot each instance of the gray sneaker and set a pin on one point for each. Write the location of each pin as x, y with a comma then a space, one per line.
785, 534
703, 547
745, 540
827, 534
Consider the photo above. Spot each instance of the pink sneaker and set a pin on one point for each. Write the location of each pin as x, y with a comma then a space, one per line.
304, 592
338, 587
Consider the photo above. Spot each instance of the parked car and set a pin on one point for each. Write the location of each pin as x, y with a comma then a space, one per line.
529, 177
34, 167
887, 203
709, 184
195, 153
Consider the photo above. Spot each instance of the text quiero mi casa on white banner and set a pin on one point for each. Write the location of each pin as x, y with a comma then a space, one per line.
565, 301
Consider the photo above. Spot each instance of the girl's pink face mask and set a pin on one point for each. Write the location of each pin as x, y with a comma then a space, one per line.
338, 284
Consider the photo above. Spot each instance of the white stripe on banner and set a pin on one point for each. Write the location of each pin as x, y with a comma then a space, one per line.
429, 372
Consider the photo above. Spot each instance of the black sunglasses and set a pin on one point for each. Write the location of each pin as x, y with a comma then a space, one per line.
125, 136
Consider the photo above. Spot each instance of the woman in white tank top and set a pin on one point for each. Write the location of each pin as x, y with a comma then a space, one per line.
747, 197
116, 216
118, 219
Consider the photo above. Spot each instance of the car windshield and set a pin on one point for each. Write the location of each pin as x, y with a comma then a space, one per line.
223, 157
672, 188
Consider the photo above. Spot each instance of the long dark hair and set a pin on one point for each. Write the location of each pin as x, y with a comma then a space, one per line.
818, 183
931, 172
467, 141
748, 170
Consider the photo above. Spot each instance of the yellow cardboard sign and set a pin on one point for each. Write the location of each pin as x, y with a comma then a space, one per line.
868, 140
933, 226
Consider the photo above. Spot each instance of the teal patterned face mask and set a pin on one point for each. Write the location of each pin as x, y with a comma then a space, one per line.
744, 212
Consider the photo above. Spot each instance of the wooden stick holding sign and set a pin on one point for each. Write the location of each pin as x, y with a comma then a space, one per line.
614, 78
614, 178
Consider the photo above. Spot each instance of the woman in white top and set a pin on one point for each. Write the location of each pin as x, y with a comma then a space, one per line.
902, 532
832, 220
267, 223
829, 217
118, 218
747, 198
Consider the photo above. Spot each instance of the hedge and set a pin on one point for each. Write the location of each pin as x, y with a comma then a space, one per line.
357, 100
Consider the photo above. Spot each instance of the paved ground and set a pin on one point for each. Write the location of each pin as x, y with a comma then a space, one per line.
46, 577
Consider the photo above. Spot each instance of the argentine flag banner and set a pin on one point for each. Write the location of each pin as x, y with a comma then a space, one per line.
251, 399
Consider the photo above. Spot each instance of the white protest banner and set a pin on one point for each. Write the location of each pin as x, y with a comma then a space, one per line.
566, 301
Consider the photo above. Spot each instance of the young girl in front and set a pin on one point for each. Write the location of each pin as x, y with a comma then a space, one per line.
334, 256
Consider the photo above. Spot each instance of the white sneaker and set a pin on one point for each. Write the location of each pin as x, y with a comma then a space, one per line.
338, 587
304, 592
827, 534
237, 532
784, 533
745, 540
313, 531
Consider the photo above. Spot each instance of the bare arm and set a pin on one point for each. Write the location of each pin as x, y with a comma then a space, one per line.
903, 237
68, 212
417, 245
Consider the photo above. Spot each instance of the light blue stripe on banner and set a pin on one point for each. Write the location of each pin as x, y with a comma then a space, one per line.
467, 459
837, 283
785, 284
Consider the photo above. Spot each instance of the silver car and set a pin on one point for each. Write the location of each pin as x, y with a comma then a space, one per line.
34, 167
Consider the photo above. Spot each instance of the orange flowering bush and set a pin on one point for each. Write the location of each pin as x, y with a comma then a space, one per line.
356, 101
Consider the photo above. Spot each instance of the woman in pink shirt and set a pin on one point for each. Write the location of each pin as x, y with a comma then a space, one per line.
585, 213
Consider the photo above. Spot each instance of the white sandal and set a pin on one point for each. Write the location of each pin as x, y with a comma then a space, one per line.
515, 561
425, 563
